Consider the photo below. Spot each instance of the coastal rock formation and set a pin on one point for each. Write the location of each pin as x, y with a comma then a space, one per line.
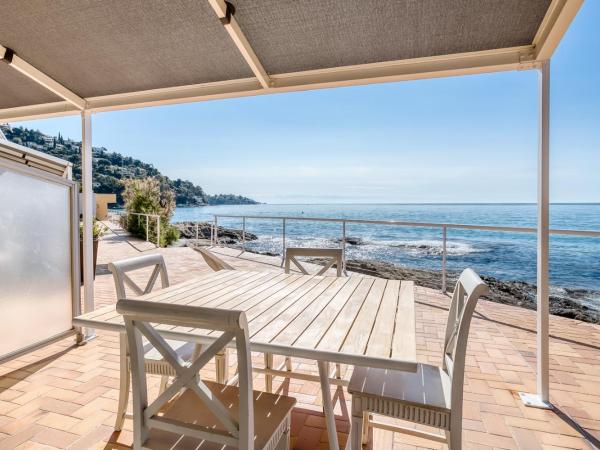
351, 240
563, 302
227, 236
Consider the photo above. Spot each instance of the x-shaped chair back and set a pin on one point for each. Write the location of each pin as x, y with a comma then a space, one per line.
331, 255
141, 318
120, 269
469, 288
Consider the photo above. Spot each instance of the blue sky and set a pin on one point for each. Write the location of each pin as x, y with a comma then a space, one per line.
464, 139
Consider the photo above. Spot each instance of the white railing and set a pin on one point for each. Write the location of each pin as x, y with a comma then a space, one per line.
155, 218
344, 222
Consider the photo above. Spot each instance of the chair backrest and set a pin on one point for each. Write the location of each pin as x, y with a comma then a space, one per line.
141, 318
214, 262
120, 269
331, 255
469, 288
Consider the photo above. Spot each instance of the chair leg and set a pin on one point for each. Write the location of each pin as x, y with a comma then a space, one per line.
164, 380
365, 429
221, 360
195, 355
338, 371
356, 430
288, 363
454, 439
124, 378
268, 377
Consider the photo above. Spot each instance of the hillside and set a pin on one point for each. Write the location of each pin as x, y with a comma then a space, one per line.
111, 167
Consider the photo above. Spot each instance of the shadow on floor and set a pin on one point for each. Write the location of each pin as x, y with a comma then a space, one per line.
11, 378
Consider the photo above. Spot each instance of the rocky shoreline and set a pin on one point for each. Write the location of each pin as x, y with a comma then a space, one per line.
564, 302
227, 236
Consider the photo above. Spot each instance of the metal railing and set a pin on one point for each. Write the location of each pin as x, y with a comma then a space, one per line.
148, 218
344, 222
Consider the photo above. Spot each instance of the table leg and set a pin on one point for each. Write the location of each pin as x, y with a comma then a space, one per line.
268, 377
328, 405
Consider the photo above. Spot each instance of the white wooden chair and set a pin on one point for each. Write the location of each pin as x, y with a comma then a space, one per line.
331, 255
217, 264
196, 414
214, 262
432, 396
155, 364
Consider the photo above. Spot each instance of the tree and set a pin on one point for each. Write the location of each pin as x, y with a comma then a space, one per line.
150, 196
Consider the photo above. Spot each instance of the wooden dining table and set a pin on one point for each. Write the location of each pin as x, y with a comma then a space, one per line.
356, 320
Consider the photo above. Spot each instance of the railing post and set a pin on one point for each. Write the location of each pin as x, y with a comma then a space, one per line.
283, 241
344, 246
444, 235
216, 231
158, 231
244, 234
147, 227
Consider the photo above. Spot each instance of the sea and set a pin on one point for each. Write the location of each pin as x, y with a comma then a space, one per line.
574, 260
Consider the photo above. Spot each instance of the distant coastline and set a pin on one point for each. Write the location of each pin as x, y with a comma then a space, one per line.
110, 168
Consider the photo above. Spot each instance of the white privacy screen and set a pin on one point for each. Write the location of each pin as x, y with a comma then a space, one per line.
35, 260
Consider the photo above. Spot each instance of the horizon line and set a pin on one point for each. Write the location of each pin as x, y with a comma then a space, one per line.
394, 203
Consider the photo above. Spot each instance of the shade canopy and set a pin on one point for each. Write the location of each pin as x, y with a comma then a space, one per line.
64, 56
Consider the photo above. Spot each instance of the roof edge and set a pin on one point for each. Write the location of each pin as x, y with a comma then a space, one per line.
513, 58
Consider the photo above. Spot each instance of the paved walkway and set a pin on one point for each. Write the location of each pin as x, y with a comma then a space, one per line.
63, 396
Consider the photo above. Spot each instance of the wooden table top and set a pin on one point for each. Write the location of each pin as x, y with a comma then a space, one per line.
349, 320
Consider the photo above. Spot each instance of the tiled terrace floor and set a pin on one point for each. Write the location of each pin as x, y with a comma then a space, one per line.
64, 396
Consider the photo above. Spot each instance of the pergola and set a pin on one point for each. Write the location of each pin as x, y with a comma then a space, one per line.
64, 57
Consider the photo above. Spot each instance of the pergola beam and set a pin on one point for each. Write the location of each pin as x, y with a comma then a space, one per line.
225, 11
559, 16
19, 64
513, 58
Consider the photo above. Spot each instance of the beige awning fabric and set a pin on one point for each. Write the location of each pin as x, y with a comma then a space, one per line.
109, 54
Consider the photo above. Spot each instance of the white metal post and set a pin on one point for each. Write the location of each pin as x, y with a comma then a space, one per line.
216, 233
243, 234
88, 216
444, 256
157, 231
282, 242
344, 246
542, 399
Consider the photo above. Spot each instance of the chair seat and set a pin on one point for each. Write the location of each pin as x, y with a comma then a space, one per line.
270, 413
184, 350
156, 365
428, 388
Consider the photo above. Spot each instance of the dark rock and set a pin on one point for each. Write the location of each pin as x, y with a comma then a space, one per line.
351, 240
227, 236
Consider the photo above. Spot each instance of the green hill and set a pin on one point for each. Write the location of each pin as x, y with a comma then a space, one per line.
110, 168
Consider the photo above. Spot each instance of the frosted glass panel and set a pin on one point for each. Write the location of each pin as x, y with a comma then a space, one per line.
35, 260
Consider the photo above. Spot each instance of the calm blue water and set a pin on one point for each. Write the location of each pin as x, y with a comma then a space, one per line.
574, 263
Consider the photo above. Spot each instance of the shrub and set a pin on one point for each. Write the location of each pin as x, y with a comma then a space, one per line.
150, 196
